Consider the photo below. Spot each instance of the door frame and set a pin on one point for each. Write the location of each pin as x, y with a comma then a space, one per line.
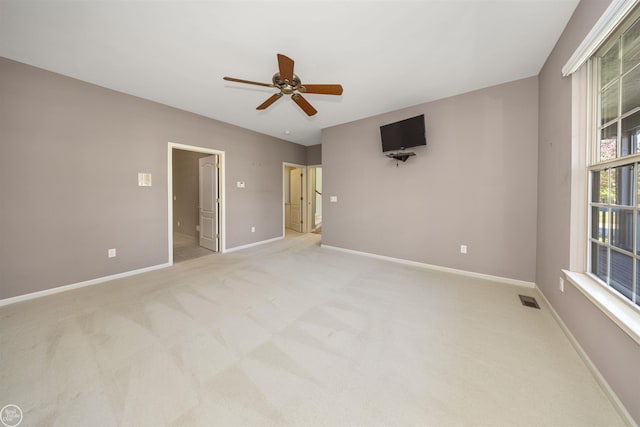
221, 182
303, 191
310, 194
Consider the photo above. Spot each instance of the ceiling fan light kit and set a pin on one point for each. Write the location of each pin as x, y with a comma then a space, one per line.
289, 83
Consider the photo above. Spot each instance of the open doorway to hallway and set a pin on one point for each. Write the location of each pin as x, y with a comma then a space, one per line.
195, 197
315, 199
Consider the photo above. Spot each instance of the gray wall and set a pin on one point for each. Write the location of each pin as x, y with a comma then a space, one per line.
186, 186
475, 183
70, 153
614, 353
314, 154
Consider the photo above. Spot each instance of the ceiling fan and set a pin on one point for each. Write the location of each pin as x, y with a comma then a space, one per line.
290, 84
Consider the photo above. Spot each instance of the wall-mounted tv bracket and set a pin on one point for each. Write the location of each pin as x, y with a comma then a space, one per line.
400, 156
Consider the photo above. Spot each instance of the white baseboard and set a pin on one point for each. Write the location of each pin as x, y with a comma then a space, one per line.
497, 279
250, 245
64, 288
606, 388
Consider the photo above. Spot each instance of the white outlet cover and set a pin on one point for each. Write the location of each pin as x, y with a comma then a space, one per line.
333, 199
111, 253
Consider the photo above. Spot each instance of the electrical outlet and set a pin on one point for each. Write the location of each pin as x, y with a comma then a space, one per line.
253, 229
561, 284
463, 249
178, 223
111, 253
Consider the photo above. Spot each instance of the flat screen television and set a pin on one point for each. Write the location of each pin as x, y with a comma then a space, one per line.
403, 134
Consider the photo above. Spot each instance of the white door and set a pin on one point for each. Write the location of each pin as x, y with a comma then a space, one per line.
296, 199
208, 203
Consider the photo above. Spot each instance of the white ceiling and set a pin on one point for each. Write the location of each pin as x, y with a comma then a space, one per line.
386, 54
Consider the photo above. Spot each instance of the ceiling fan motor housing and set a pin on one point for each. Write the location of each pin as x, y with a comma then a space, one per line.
286, 86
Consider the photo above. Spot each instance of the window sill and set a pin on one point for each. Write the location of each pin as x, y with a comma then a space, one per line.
621, 312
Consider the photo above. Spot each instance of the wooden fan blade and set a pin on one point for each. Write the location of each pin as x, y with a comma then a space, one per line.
285, 64
231, 79
271, 100
304, 104
321, 89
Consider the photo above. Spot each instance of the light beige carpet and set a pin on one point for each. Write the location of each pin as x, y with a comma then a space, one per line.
292, 334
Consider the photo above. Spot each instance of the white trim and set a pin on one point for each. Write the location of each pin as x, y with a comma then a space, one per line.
492, 278
580, 148
64, 288
250, 245
618, 309
606, 388
608, 22
221, 159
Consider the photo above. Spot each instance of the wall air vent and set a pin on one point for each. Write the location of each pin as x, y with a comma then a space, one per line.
529, 301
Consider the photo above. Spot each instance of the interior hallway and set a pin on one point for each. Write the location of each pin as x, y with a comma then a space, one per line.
187, 247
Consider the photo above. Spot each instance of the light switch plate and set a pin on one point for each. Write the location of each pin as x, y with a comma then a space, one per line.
144, 179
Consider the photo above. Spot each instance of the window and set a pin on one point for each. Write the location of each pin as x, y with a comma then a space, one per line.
614, 167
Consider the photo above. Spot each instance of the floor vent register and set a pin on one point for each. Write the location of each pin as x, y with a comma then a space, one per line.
529, 301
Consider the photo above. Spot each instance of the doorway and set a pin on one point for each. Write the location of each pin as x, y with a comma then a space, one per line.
294, 185
315, 199
196, 200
